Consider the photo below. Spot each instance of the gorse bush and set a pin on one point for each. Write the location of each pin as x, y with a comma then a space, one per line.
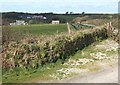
33, 55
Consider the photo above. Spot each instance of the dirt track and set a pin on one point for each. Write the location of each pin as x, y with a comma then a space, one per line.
108, 75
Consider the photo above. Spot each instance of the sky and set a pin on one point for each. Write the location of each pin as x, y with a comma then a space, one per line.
59, 6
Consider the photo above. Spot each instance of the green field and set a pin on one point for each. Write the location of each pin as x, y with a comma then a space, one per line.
38, 29
18, 32
42, 29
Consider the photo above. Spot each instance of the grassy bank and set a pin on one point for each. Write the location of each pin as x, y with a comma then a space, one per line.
52, 71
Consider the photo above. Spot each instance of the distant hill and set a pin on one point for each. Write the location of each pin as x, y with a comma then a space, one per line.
9, 17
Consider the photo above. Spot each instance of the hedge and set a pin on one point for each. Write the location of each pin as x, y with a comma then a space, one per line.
33, 55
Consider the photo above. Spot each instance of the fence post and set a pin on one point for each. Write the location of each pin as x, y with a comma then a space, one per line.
68, 27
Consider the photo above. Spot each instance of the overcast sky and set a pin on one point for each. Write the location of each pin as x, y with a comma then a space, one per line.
60, 6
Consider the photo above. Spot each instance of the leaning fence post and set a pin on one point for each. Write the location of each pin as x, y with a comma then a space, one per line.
68, 27
108, 30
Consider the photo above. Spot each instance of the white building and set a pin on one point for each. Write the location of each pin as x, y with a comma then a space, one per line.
19, 22
55, 22
44, 17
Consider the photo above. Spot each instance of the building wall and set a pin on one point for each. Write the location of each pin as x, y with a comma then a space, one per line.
55, 22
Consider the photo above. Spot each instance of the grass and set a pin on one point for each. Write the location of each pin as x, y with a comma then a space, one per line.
18, 32
41, 29
86, 51
38, 29
0, 75
31, 75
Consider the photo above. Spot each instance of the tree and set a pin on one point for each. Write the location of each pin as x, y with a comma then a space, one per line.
83, 13
71, 12
67, 12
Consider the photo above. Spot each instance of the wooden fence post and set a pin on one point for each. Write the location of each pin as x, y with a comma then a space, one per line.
68, 27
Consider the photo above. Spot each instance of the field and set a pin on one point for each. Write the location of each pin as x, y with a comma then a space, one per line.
44, 29
16, 33
39, 29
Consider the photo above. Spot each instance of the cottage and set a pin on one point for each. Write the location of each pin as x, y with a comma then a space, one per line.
19, 22
55, 21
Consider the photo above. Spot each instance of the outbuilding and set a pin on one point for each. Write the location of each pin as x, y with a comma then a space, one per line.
55, 22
